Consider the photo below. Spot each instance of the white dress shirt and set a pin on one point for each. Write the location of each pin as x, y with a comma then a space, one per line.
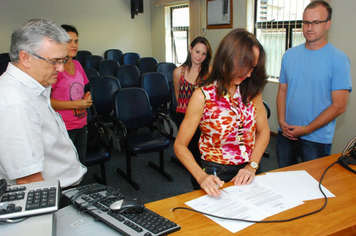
33, 137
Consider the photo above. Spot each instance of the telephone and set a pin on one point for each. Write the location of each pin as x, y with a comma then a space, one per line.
348, 156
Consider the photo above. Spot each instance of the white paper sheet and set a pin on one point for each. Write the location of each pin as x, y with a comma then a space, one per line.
297, 184
265, 196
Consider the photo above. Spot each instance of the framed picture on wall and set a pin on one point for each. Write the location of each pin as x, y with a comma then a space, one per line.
219, 14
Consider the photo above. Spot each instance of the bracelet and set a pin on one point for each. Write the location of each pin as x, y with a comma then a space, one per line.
305, 133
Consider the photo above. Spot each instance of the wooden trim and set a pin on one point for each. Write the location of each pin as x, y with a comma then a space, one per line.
224, 26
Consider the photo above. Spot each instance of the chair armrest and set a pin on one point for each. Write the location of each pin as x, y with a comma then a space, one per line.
168, 121
118, 127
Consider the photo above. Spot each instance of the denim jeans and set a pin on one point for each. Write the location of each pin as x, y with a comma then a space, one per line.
288, 151
79, 139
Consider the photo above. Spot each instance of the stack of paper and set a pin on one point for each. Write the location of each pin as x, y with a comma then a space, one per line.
267, 195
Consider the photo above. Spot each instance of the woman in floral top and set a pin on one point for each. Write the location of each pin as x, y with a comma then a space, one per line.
229, 109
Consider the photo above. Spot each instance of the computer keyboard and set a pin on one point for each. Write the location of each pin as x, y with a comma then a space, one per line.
30, 199
95, 199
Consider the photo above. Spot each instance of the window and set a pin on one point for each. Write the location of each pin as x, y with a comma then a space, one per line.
177, 33
278, 27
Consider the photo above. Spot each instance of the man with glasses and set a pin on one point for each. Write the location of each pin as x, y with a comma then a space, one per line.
315, 83
34, 142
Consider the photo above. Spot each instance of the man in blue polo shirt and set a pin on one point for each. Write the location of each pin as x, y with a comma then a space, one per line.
315, 83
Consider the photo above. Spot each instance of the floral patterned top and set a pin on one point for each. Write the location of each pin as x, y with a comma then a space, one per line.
228, 128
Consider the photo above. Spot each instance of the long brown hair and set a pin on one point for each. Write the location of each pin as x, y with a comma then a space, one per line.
204, 68
233, 58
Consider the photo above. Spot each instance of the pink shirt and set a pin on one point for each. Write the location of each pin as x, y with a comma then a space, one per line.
71, 88
228, 128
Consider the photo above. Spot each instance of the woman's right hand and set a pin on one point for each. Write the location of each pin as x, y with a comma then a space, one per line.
211, 184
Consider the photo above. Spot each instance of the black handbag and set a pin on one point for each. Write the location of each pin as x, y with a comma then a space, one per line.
98, 135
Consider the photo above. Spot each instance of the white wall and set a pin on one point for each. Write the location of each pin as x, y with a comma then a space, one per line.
101, 24
108, 24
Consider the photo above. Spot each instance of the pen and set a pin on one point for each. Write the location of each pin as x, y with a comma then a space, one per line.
217, 184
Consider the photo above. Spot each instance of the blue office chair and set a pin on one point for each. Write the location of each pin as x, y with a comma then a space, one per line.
132, 112
113, 54
167, 69
99, 144
147, 64
128, 75
92, 61
130, 58
3, 65
90, 73
5, 56
157, 88
107, 67
81, 55
102, 89
268, 110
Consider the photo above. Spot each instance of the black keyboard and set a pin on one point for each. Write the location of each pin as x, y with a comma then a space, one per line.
95, 199
30, 199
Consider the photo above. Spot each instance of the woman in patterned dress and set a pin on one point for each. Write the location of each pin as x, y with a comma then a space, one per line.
228, 108
185, 80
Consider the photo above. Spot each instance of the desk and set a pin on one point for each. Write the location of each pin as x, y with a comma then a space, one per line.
338, 217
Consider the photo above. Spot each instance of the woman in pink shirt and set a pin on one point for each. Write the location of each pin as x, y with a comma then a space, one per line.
68, 97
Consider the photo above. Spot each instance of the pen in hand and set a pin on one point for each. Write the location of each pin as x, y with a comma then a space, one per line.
217, 185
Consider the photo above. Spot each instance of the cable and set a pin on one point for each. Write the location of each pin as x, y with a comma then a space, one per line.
9, 221
269, 221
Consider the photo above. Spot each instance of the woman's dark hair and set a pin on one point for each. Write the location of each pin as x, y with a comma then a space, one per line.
70, 28
204, 68
233, 59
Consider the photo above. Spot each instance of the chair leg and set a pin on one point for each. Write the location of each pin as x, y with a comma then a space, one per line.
102, 179
160, 168
127, 175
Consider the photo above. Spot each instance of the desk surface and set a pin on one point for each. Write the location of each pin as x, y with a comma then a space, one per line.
338, 217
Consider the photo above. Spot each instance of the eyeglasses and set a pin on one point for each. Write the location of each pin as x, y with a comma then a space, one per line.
314, 23
56, 63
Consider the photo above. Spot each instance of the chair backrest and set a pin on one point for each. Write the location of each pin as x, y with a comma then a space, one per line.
92, 61
90, 73
107, 67
102, 88
167, 69
130, 58
113, 54
132, 107
147, 64
81, 55
3, 65
128, 75
157, 88
4, 56
268, 110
